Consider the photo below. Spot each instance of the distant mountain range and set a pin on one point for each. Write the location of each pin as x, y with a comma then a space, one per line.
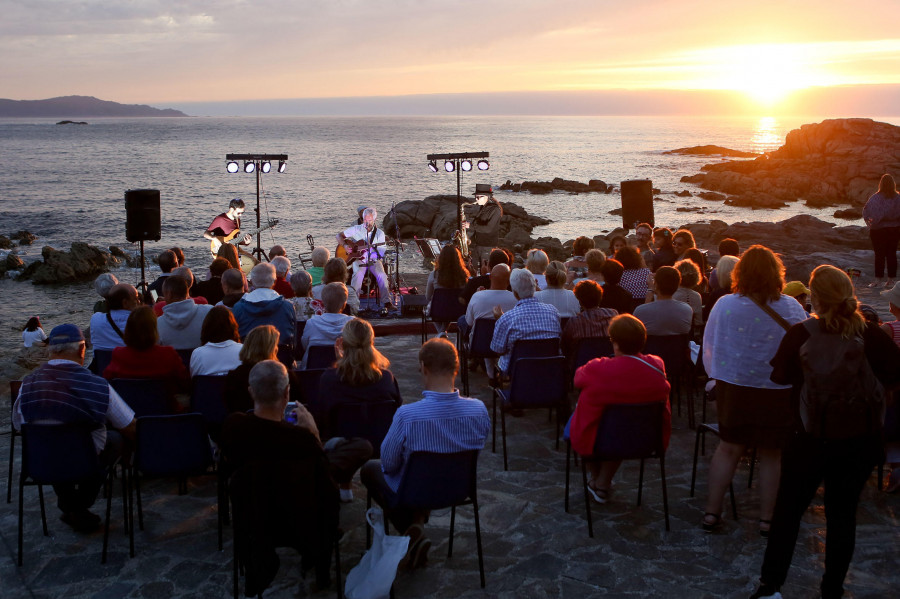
79, 106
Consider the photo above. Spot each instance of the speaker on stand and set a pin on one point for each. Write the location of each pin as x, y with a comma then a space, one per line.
142, 221
637, 202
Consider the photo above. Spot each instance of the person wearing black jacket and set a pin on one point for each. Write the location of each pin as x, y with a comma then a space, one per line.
486, 225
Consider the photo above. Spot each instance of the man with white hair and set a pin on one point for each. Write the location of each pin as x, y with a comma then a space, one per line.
367, 256
282, 270
264, 305
529, 319
324, 329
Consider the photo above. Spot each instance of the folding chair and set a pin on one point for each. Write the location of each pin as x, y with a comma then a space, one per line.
535, 383
675, 352
207, 398
14, 387
478, 348
369, 420
320, 356
589, 348
434, 481
626, 432
445, 307
147, 397
185, 355
102, 358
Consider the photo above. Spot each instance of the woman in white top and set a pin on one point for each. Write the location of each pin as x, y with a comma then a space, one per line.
33, 333
537, 262
221, 347
555, 295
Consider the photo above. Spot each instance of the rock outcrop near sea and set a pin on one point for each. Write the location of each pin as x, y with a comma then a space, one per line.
835, 162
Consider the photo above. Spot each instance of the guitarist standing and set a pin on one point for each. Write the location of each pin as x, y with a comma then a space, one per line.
366, 257
226, 223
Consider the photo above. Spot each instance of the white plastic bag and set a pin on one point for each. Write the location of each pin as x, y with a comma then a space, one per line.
374, 574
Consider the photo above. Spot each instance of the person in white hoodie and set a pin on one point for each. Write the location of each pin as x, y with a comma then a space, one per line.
182, 319
221, 347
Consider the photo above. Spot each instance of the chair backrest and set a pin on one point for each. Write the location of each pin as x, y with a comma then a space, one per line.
538, 382
172, 445
309, 385
482, 334
630, 431
673, 349
102, 358
208, 397
534, 348
147, 397
563, 321
14, 387
185, 355
434, 481
299, 327
59, 453
589, 348
367, 419
445, 306
320, 356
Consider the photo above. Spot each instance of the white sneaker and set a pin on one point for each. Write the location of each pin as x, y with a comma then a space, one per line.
346, 495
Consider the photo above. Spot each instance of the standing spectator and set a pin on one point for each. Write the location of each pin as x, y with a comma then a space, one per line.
664, 315
555, 293
740, 339
108, 328
221, 347
882, 216
529, 319
33, 333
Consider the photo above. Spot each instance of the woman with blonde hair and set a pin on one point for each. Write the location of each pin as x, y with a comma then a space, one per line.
260, 344
537, 262
882, 216
829, 359
741, 337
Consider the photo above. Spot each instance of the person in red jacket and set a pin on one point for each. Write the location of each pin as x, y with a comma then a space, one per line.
627, 378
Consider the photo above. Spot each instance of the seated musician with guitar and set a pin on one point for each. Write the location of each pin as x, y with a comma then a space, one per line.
365, 247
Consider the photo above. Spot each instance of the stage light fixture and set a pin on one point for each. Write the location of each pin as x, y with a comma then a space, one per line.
266, 166
466, 165
449, 166
249, 166
232, 167
433, 166
282, 165
483, 165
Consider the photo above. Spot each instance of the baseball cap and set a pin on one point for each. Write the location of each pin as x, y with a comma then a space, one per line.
65, 333
795, 288
893, 294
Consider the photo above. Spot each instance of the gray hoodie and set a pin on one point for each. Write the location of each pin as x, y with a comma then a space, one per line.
180, 324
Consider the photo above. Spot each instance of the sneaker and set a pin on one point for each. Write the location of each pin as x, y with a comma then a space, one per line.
601, 496
346, 495
766, 592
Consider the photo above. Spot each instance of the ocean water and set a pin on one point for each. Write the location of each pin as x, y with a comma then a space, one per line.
67, 183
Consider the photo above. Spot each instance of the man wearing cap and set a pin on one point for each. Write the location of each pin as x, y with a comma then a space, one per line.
63, 391
486, 224
798, 291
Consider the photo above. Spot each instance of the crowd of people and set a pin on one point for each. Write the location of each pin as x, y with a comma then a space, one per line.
764, 346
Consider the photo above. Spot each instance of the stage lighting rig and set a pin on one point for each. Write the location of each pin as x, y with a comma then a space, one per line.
259, 164
459, 162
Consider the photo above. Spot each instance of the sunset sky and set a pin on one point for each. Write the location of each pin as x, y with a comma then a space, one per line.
188, 51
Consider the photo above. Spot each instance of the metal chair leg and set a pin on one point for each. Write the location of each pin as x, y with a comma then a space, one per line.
452, 524
641, 482
43, 510
503, 432
108, 513
587, 499
568, 468
662, 472
9, 477
478, 540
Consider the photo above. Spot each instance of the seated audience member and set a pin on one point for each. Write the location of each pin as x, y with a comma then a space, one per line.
664, 254
577, 267
102, 284
594, 260
614, 296
167, 261
108, 328
33, 335
690, 277
555, 293
636, 276
230, 253
643, 235
211, 288
537, 262
629, 377
264, 305
529, 319
234, 285
593, 321
483, 302
798, 291
185, 273
182, 319
449, 272
277, 250
665, 316
221, 347
724, 267
699, 259
261, 344
143, 357
616, 244
64, 391
483, 281
319, 257
440, 422
282, 270
251, 441
326, 328
179, 256
682, 241
727, 247
335, 271
305, 305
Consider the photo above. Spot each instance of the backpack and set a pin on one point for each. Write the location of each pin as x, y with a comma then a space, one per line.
841, 398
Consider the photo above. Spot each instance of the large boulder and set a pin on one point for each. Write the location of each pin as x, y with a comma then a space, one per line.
837, 161
23, 237
5, 243
81, 262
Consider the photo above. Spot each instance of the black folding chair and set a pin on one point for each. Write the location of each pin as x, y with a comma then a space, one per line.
478, 348
14, 387
445, 307
676, 353
369, 420
320, 356
147, 397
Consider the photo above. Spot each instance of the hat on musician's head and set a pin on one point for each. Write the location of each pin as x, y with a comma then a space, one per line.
483, 188
65, 333
795, 288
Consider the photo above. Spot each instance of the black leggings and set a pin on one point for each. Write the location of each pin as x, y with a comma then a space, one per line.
884, 242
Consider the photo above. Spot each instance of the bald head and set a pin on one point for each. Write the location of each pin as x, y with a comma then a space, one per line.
123, 296
500, 277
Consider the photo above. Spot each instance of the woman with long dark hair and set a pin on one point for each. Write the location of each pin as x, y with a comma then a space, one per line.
449, 272
882, 216
33, 333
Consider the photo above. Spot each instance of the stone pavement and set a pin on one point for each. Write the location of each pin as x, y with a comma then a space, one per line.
532, 547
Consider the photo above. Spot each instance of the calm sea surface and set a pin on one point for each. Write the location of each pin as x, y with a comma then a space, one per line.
66, 183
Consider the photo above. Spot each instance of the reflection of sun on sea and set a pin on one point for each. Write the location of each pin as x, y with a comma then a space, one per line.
766, 137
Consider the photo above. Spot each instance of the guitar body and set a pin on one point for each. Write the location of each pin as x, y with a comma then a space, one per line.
341, 252
235, 236
356, 250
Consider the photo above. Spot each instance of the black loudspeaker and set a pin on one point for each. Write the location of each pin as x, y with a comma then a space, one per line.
142, 219
637, 202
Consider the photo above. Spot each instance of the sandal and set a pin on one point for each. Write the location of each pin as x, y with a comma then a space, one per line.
601, 496
764, 527
711, 522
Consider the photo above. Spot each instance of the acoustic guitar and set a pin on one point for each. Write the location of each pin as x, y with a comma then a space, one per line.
236, 236
350, 251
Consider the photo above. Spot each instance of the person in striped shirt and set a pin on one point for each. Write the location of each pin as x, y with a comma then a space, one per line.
441, 422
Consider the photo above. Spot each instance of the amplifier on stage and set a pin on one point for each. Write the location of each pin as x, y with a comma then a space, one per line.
412, 304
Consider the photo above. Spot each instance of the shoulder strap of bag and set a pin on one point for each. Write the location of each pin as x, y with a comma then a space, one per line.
115, 326
647, 363
772, 313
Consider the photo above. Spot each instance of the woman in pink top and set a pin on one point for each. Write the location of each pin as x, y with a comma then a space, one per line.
627, 378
